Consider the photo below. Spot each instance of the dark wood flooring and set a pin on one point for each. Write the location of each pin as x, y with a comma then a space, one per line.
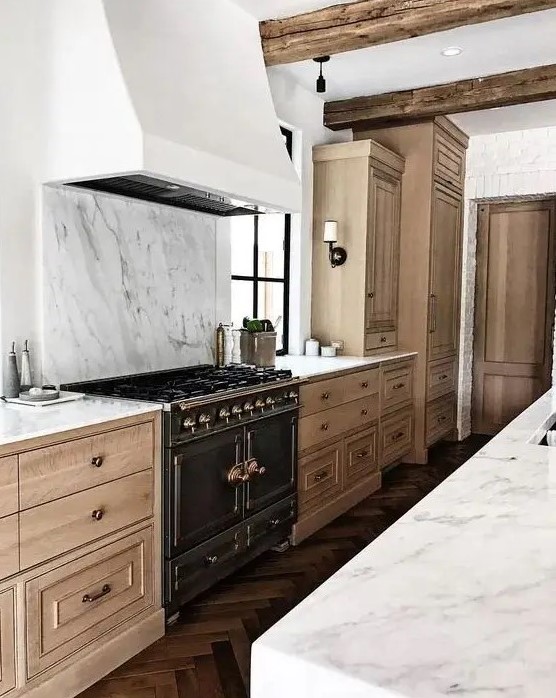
207, 653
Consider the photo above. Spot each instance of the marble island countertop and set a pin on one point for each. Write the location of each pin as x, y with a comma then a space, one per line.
22, 422
458, 598
311, 366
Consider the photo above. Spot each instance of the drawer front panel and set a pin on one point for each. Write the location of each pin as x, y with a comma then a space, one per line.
319, 478
7, 641
396, 436
441, 418
60, 526
397, 385
360, 456
328, 424
317, 397
449, 161
9, 498
441, 378
75, 604
9, 546
58, 471
381, 340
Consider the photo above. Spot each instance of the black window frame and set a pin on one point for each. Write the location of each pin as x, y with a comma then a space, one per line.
255, 278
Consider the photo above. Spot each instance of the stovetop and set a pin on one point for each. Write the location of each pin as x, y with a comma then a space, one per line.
179, 385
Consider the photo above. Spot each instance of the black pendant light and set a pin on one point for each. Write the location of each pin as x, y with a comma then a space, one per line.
321, 82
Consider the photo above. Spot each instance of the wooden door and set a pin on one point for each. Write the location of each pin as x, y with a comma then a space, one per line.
383, 250
445, 266
7, 641
514, 310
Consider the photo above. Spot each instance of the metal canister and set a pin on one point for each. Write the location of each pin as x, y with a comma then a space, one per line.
220, 339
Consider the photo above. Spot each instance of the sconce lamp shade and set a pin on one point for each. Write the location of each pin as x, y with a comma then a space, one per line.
330, 231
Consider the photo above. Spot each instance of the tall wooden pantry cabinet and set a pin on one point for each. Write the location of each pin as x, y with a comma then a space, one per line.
430, 267
358, 185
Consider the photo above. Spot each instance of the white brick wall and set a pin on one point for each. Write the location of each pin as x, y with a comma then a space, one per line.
518, 163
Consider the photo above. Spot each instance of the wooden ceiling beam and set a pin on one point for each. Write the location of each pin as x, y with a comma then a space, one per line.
366, 23
506, 89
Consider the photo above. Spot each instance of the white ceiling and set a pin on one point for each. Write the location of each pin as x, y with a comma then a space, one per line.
273, 9
518, 118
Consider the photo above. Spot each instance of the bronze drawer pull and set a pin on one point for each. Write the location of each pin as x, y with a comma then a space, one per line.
325, 426
371, 295
325, 396
97, 514
399, 386
88, 598
443, 377
364, 413
442, 419
398, 436
320, 476
211, 560
97, 461
362, 454
364, 384
383, 340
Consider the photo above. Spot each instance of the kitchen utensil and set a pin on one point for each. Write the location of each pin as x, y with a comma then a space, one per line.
220, 345
39, 395
312, 347
26, 380
11, 380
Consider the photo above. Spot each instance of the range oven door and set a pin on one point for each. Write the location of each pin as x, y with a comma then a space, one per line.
270, 460
204, 489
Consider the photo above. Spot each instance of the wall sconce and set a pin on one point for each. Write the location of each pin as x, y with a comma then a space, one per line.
337, 255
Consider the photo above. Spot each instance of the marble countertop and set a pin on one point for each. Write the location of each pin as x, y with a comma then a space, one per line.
458, 598
22, 422
311, 366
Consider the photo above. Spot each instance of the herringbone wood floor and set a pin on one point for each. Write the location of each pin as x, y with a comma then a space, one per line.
206, 654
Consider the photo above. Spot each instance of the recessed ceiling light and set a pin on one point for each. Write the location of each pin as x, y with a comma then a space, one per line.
452, 51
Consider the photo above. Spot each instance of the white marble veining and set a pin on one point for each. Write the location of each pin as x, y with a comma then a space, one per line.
22, 422
458, 598
311, 366
128, 286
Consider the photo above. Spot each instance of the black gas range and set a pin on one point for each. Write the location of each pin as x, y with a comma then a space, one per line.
230, 462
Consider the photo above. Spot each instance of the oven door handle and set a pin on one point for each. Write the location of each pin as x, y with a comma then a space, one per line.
294, 448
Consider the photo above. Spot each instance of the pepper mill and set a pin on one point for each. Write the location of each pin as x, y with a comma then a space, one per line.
11, 381
26, 381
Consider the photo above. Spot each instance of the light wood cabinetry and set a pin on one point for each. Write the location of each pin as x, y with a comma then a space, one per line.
358, 185
342, 450
83, 552
430, 262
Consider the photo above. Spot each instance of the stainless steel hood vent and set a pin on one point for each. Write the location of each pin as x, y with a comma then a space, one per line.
159, 191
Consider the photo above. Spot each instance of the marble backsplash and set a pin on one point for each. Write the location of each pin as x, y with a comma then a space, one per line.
128, 286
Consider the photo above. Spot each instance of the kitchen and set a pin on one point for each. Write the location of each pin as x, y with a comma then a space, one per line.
106, 279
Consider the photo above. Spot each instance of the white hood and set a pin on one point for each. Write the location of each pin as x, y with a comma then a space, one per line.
172, 89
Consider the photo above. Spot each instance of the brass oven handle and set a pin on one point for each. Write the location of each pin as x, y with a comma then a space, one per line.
97, 461
325, 396
362, 454
236, 476
320, 476
399, 386
325, 426
252, 468
97, 514
91, 598
398, 436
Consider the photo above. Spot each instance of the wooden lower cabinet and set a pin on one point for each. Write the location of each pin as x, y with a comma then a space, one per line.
441, 418
7, 641
9, 546
360, 456
319, 478
396, 436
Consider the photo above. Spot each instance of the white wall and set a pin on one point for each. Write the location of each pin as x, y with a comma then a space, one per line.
517, 163
302, 111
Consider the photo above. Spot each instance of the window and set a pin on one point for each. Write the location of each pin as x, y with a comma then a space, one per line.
261, 268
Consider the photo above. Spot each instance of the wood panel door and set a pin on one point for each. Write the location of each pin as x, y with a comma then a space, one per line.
445, 261
7, 641
383, 250
514, 310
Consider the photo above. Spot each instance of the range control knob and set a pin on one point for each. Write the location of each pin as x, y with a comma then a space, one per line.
205, 419
270, 401
259, 403
248, 407
292, 395
224, 413
189, 423
237, 410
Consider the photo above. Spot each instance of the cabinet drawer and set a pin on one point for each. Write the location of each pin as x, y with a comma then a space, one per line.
381, 340
7, 641
441, 378
396, 385
9, 498
441, 418
360, 456
57, 471
9, 546
449, 161
328, 424
323, 395
77, 603
396, 436
319, 478
60, 526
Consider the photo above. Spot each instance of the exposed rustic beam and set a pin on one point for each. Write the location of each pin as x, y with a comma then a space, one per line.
517, 87
370, 22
